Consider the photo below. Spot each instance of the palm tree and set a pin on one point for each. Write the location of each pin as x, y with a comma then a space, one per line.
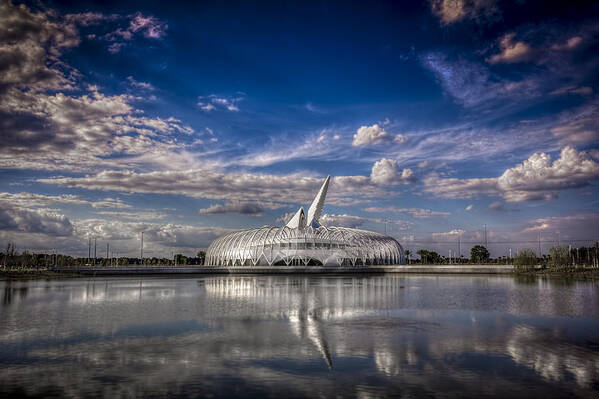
408, 253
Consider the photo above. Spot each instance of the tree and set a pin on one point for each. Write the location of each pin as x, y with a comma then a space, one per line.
180, 259
422, 253
479, 253
429, 256
560, 256
525, 259
408, 253
201, 256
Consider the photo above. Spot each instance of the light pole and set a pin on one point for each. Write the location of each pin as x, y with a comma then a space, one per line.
486, 244
142, 248
558, 240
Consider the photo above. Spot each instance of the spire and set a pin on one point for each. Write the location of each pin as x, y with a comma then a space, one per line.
298, 221
316, 208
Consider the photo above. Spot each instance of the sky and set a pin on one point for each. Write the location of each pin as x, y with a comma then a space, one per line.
437, 120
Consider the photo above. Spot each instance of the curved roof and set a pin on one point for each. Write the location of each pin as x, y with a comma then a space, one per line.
324, 245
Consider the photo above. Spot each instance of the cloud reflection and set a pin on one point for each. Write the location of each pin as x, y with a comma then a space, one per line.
315, 336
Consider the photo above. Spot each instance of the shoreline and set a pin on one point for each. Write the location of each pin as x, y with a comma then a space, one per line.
203, 270
87, 271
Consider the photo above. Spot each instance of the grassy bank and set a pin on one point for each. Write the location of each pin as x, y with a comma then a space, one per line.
32, 273
559, 271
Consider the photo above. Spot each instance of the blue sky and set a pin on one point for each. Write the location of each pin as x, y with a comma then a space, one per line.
187, 121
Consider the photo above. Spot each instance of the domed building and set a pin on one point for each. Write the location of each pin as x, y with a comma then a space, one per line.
303, 241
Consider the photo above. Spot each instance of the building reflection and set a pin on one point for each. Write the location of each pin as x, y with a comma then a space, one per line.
311, 304
413, 335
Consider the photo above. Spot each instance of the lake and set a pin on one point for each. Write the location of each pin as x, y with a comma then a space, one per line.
300, 336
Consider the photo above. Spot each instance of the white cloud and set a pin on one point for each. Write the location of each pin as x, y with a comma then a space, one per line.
472, 85
400, 138
138, 215
535, 178
43, 230
255, 209
43, 126
580, 225
110, 203
387, 171
148, 26
451, 11
64, 132
375, 134
452, 235
538, 175
31, 45
419, 213
286, 217
581, 91
206, 107
294, 188
115, 47
579, 127
23, 220
282, 149
342, 220
357, 221
140, 85
202, 184
570, 44
213, 102
497, 206
88, 18
40, 200
512, 51
459, 188
159, 238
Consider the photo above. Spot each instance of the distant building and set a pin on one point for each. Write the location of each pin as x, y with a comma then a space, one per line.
304, 242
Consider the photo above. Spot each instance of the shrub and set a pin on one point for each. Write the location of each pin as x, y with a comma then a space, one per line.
525, 259
560, 256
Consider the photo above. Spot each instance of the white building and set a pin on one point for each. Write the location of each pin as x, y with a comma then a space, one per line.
304, 242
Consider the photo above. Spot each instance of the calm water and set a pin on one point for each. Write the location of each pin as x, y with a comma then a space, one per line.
443, 336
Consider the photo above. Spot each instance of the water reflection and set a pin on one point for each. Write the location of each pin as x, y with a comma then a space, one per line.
13, 291
267, 336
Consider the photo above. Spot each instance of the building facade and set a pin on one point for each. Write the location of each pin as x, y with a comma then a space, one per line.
303, 241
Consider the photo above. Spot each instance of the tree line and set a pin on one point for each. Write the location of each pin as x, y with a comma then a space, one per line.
558, 256
11, 258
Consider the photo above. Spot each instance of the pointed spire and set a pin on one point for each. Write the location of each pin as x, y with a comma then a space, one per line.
316, 208
298, 221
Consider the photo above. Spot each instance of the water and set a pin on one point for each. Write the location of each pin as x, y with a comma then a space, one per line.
279, 336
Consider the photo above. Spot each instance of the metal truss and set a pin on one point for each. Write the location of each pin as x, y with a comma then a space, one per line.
270, 246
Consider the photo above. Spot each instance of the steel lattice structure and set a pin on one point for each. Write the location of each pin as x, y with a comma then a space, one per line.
302, 242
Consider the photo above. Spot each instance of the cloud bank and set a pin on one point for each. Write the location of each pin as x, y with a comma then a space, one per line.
534, 179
